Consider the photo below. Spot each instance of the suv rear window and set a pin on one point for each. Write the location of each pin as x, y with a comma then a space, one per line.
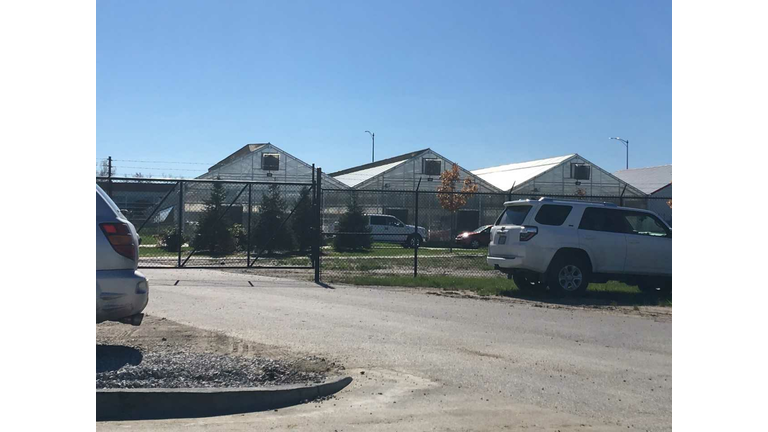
555, 215
513, 215
104, 204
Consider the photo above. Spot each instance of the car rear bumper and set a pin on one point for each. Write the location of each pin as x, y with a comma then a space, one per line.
120, 294
505, 262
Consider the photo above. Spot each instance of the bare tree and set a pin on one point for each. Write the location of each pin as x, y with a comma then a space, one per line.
103, 171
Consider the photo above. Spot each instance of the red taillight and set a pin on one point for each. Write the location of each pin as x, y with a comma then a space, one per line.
527, 233
119, 236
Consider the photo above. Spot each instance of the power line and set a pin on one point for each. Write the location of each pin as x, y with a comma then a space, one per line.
166, 162
155, 168
157, 162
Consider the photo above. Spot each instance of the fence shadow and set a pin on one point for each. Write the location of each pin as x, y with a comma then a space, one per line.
594, 298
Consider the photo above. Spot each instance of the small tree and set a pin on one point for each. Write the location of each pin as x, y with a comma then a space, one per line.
170, 240
271, 216
303, 220
352, 221
449, 198
103, 171
213, 235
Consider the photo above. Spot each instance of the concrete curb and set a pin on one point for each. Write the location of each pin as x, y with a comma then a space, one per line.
146, 404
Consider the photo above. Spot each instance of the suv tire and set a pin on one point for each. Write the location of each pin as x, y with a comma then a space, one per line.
568, 275
413, 241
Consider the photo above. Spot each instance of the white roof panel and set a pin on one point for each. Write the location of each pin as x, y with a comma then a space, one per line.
648, 180
504, 176
355, 178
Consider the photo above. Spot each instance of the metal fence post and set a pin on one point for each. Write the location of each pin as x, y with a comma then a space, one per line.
180, 229
250, 211
109, 177
417, 243
318, 223
621, 197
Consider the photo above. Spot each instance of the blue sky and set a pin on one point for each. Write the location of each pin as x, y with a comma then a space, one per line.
482, 83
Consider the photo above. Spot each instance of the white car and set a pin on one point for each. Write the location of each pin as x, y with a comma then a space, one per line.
122, 292
568, 244
387, 228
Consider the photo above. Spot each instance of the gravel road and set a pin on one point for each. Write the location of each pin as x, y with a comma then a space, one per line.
424, 362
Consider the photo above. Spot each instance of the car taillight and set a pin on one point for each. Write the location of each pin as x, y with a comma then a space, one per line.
119, 236
527, 233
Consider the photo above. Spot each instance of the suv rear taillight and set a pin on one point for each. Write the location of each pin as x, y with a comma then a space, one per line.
527, 233
119, 236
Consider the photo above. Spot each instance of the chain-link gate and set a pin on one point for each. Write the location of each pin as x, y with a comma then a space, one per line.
220, 223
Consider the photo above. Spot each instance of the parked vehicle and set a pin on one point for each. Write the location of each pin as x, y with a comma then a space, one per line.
565, 245
389, 229
475, 239
122, 292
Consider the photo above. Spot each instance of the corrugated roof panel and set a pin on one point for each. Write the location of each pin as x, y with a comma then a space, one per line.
648, 180
504, 176
354, 178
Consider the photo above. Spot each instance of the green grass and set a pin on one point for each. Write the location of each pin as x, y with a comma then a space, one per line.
395, 250
611, 293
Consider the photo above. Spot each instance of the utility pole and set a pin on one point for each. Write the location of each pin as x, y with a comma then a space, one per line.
373, 145
626, 144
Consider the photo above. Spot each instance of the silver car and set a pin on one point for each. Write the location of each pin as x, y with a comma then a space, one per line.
122, 292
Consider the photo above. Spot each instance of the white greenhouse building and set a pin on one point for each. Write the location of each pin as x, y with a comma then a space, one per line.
266, 163
570, 175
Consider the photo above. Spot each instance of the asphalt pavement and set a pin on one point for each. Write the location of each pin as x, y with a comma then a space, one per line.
428, 362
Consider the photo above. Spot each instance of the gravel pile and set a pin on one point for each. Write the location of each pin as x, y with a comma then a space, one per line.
190, 369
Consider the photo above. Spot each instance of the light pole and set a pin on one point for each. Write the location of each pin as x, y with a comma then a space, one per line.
626, 144
373, 144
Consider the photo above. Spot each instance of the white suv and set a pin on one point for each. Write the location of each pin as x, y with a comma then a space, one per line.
568, 244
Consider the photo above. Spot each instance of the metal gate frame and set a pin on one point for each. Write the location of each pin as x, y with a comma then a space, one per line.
314, 187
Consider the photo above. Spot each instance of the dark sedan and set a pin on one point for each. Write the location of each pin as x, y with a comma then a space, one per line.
475, 239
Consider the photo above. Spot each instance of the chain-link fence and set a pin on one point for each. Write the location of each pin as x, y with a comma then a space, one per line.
289, 229
410, 233
213, 223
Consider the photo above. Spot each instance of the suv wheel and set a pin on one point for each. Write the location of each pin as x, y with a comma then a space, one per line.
568, 275
413, 241
526, 282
